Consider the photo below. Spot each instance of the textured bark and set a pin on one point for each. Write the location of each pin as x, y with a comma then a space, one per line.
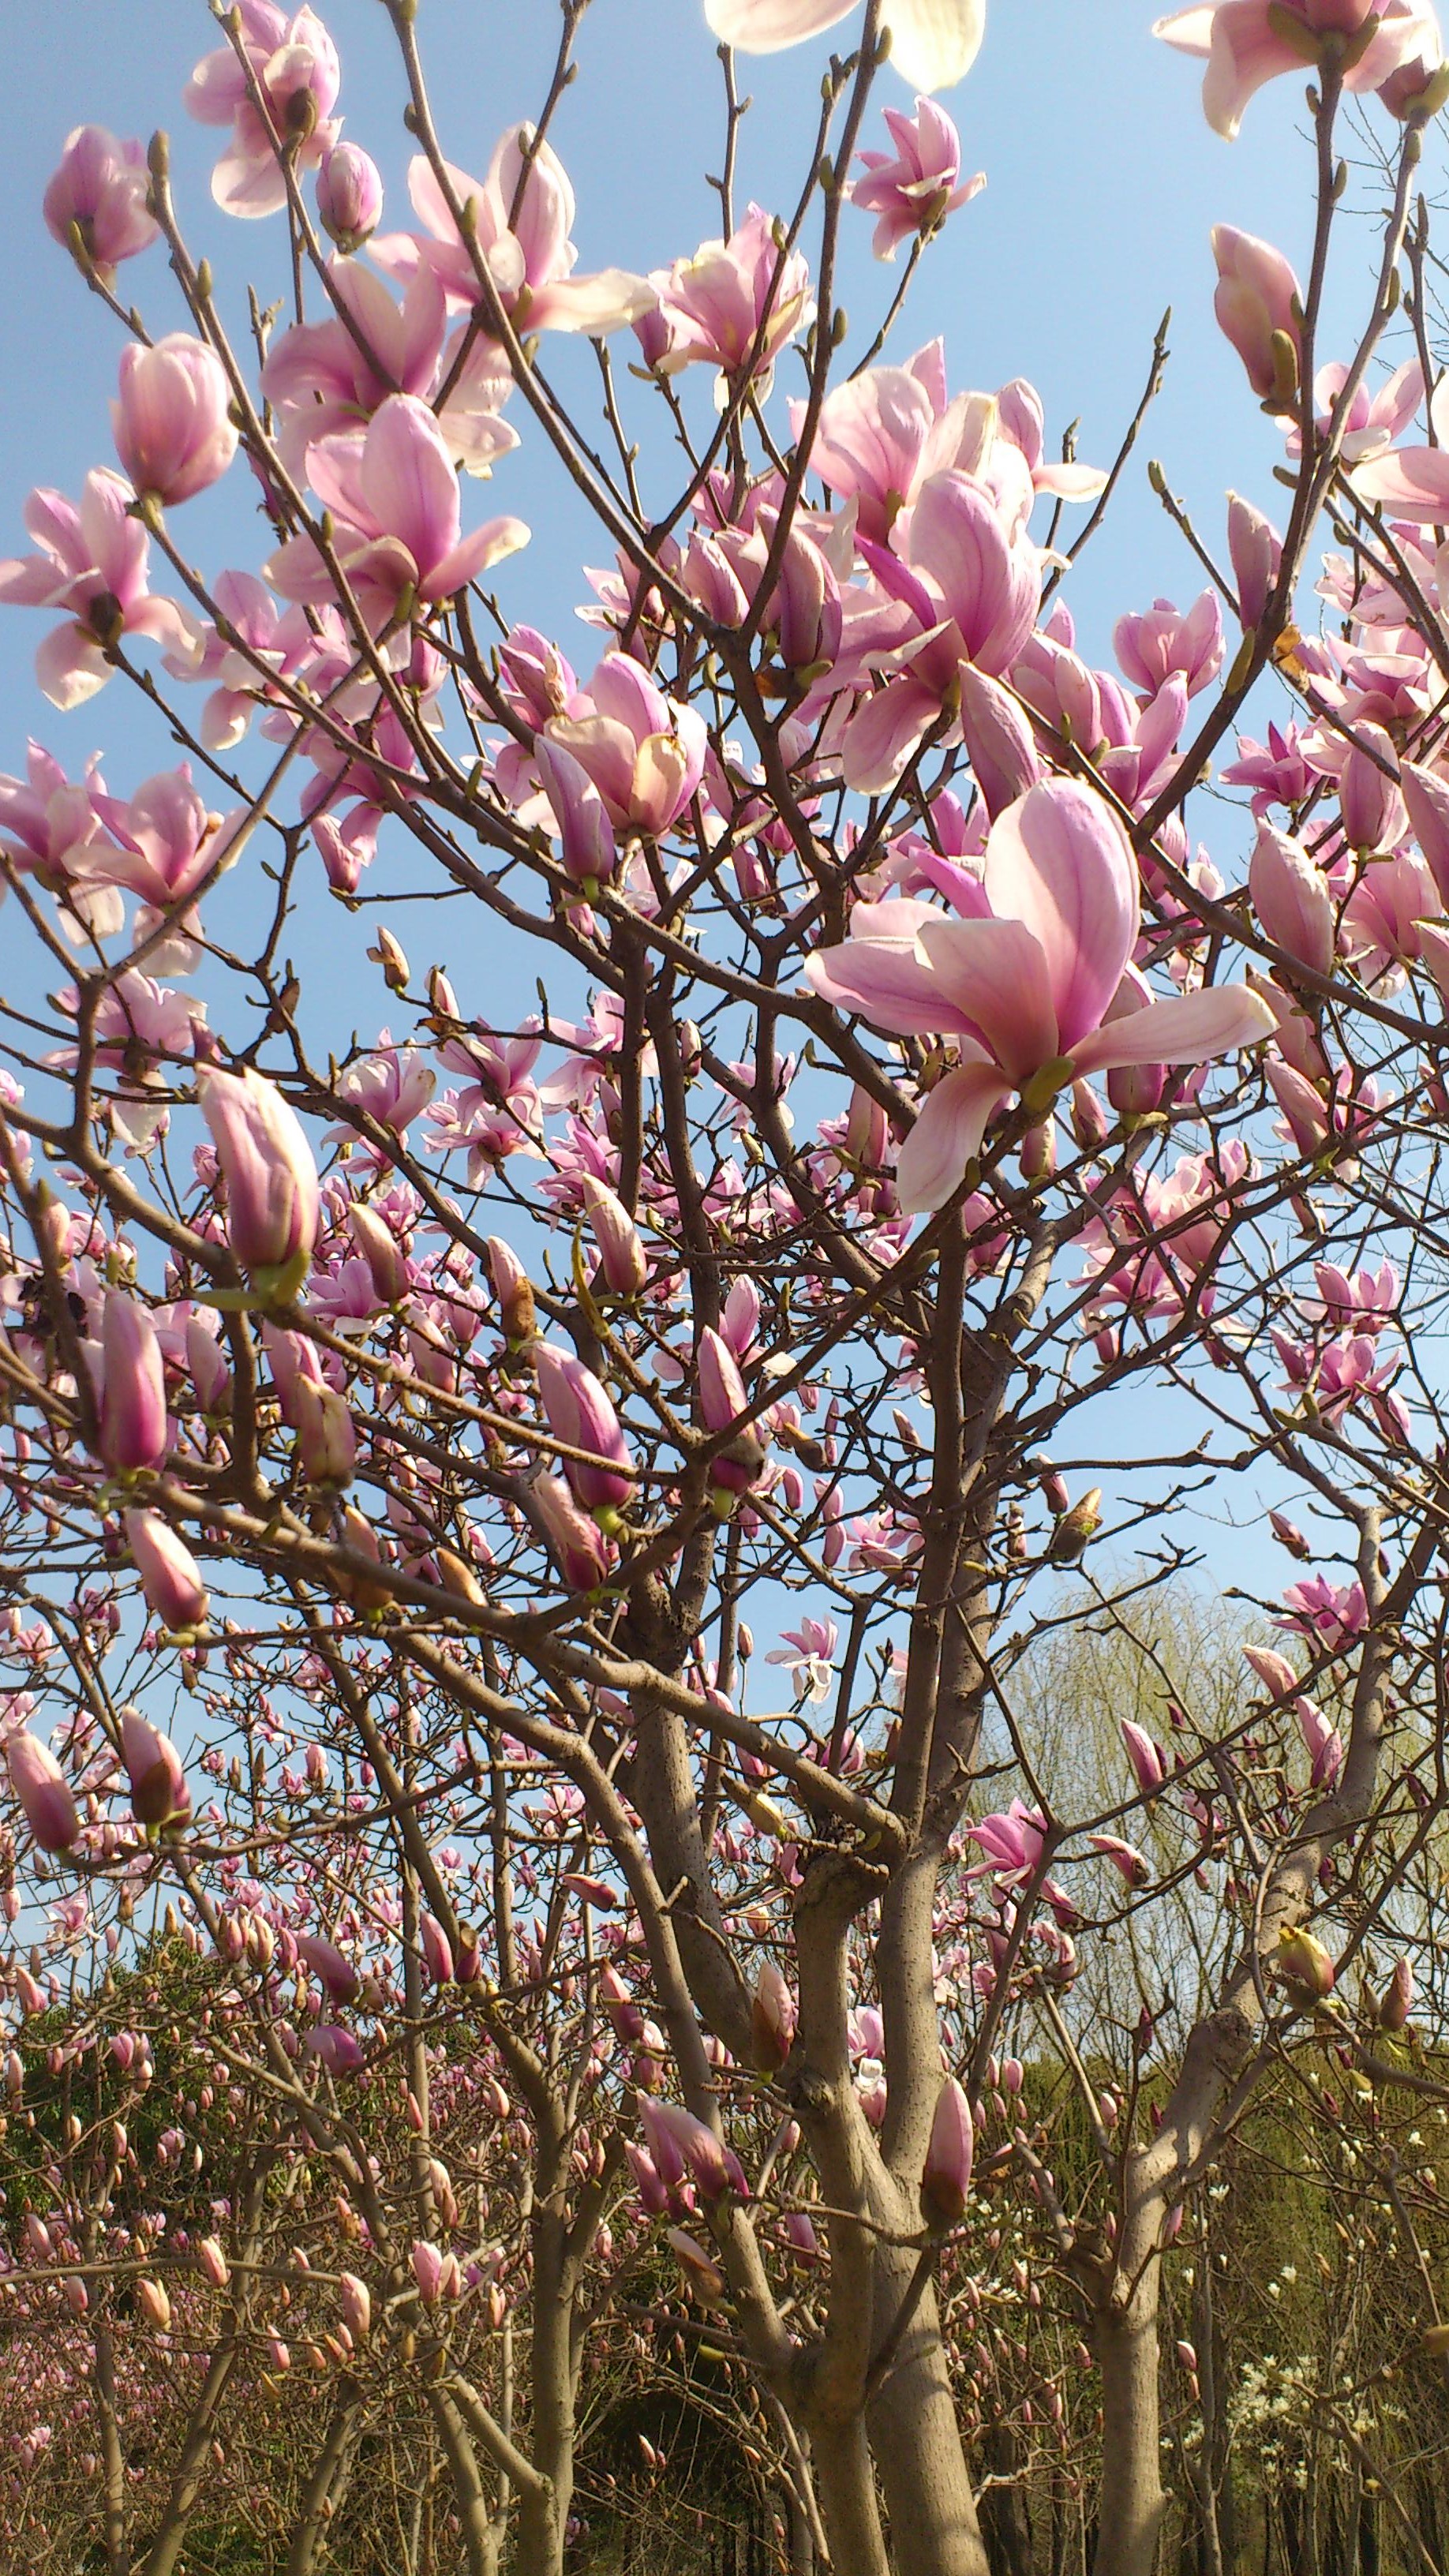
917, 2442
480, 2541
1129, 2521
113, 2465
845, 2489
326, 2483
1005, 2527
164, 2555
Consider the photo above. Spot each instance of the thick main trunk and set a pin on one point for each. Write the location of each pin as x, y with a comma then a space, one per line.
916, 2440
1129, 2519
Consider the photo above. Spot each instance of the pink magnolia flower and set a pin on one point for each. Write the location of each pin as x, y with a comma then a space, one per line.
327, 1963
1331, 1615
294, 64
1376, 415
1292, 899
50, 826
169, 844
966, 594
1258, 302
716, 307
159, 1794
809, 1652
644, 753
43, 1791
1412, 482
914, 190
933, 42
581, 1414
947, 2176
883, 433
1026, 986
170, 1575
171, 419
1256, 550
1157, 644
1022, 421
99, 191
322, 379
349, 196
1146, 1756
1321, 1742
336, 2049
397, 515
581, 1551
1248, 42
1133, 1866
133, 1426
773, 2019
272, 1200
528, 255
92, 563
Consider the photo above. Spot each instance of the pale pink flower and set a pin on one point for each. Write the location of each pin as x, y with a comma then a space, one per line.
735, 305
1258, 302
100, 190
92, 563
321, 378
44, 1792
397, 516
1024, 988
933, 42
349, 196
171, 419
913, 190
530, 261
809, 1653
1248, 42
294, 64
643, 752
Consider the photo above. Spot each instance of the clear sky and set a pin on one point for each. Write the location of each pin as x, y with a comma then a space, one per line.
1103, 183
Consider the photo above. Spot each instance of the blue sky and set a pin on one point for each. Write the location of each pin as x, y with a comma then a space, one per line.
1103, 184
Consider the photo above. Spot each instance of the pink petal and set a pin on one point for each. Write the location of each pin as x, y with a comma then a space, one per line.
884, 735
995, 975
486, 546
1413, 482
1058, 860
70, 665
1245, 53
1189, 1030
767, 26
603, 302
889, 984
408, 478
946, 1135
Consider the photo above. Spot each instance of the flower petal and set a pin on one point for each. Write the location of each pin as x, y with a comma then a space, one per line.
1058, 860
768, 26
935, 42
947, 1133
995, 975
1189, 1030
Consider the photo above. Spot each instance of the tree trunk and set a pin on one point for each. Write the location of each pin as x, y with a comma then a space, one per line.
845, 2493
327, 2483
917, 2442
1129, 2520
1004, 2524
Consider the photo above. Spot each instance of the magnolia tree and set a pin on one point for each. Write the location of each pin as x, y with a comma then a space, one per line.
530, 1533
